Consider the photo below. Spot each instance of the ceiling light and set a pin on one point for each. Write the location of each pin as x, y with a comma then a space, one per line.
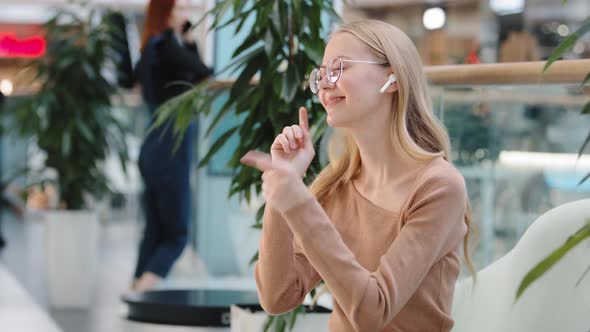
6, 87
504, 7
434, 18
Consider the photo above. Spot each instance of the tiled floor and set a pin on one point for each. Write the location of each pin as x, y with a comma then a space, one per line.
18, 311
24, 258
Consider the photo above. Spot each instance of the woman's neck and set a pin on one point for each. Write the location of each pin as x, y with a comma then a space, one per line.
381, 163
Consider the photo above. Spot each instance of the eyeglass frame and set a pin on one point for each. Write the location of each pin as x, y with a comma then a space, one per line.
340, 70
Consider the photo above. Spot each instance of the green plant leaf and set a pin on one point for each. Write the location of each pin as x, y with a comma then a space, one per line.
327, 6
582, 276
584, 179
269, 322
300, 309
280, 323
243, 60
567, 43
585, 81
123, 157
220, 11
563, 46
84, 130
586, 109
65, 62
260, 214
247, 195
249, 42
220, 115
254, 258
314, 48
291, 83
246, 75
583, 147
66, 143
217, 145
237, 17
542, 267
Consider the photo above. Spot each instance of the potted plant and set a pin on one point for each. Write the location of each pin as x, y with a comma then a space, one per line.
70, 120
285, 41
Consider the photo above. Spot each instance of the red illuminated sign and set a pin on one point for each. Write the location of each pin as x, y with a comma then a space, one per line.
12, 47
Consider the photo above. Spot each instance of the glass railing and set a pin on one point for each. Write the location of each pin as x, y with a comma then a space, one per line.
517, 148
515, 135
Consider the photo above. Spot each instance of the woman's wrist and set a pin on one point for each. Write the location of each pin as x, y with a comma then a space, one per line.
297, 194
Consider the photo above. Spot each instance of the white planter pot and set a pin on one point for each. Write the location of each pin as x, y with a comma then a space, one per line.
245, 241
72, 257
244, 320
130, 326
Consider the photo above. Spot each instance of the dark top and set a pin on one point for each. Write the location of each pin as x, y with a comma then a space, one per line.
166, 66
166, 69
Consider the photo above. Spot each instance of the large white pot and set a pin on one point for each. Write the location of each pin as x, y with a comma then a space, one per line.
245, 241
244, 320
72, 257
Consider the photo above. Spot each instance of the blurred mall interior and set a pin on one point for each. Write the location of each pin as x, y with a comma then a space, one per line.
514, 138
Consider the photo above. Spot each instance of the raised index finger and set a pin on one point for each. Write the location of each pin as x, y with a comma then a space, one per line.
260, 160
303, 121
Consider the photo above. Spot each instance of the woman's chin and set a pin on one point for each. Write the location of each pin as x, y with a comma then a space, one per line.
335, 121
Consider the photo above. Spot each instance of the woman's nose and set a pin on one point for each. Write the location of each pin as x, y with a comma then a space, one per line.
325, 83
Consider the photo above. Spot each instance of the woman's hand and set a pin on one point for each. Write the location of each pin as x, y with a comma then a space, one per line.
291, 154
282, 186
294, 145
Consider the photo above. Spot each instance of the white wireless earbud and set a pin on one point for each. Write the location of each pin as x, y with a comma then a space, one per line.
389, 82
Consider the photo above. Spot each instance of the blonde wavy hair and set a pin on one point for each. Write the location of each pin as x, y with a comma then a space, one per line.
415, 130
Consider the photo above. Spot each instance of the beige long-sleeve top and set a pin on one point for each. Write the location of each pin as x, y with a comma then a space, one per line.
387, 271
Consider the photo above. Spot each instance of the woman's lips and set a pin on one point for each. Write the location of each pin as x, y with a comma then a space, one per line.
333, 100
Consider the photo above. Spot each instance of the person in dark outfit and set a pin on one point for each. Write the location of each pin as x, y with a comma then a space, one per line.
168, 56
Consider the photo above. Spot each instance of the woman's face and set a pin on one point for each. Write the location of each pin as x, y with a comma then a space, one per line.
356, 93
179, 15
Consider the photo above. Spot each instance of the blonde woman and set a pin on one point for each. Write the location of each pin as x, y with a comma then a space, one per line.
383, 223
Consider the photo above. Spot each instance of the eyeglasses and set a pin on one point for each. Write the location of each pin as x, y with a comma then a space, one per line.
332, 70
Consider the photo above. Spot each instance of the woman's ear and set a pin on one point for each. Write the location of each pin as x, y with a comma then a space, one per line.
389, 85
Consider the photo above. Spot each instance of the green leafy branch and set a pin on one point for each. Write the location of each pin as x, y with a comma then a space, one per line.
548, 262
285, 41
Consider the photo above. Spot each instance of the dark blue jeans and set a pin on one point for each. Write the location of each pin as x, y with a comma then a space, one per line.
167, 200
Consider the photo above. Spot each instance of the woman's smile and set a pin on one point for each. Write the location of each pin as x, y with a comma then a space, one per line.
331, 101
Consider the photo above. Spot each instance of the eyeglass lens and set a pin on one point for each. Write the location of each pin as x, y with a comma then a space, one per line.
333, 71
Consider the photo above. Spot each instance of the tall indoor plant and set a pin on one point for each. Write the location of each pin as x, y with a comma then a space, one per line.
285, 42
70, 120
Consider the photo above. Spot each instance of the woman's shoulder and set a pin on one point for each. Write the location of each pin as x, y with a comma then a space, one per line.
439, 186
437, 174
